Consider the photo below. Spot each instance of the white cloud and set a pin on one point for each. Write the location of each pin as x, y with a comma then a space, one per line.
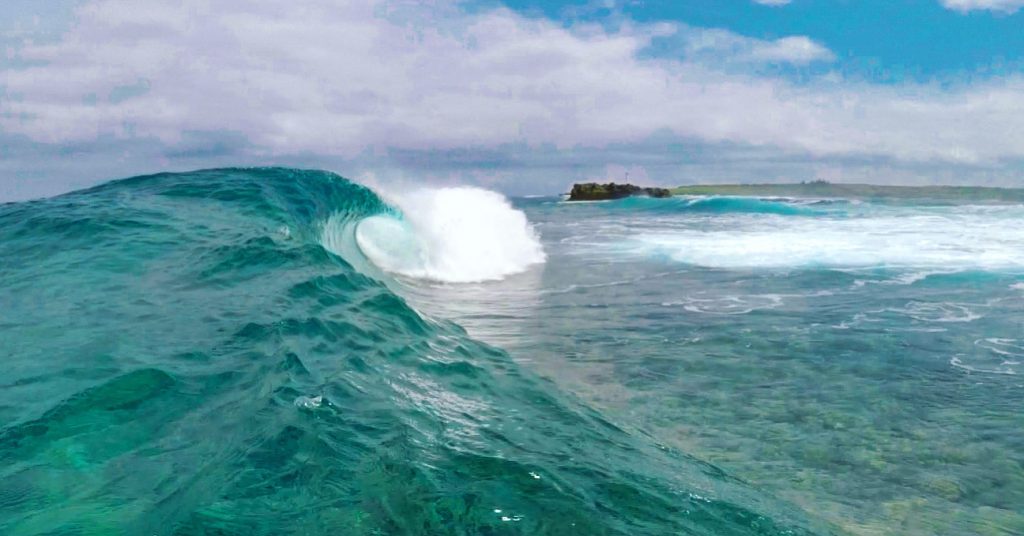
795, 49
963, 6
723, 45
772, 2
352, 78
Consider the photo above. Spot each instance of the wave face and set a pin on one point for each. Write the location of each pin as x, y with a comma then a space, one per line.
720, 205
207, 353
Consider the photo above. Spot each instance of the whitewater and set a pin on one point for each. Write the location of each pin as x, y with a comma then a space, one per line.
281, 351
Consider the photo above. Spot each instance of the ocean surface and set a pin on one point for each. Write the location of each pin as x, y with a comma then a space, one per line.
276, 351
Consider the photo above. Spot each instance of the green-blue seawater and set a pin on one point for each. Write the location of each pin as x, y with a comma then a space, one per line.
276, 351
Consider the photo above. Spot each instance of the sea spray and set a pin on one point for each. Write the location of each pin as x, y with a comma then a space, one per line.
458, 235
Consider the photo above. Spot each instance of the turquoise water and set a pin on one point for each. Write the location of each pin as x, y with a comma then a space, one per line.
278, 351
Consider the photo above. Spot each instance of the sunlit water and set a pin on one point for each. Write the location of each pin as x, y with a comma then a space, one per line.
862, 361
211, 353
284, 352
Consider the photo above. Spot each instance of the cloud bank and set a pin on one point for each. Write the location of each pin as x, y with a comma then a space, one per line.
350, 79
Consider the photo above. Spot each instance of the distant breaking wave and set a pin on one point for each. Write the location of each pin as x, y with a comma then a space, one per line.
719, 205
950, 238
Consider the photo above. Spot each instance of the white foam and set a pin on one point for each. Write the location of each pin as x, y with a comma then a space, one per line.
939, 312
309, 402
1004, 370
1011, 349
908, 278
992, 356
456, 235
727, 305
961, 238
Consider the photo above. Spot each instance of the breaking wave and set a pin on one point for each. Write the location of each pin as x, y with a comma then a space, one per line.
213, 352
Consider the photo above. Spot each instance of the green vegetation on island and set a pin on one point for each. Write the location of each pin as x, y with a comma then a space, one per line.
592, 191
859, 191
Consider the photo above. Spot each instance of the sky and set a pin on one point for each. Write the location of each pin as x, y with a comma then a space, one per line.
523, 96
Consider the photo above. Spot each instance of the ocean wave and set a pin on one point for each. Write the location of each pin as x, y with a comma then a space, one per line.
718, 205
455, 235
916, 243
212, 352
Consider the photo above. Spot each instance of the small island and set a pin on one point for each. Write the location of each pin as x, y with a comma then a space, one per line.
592, 191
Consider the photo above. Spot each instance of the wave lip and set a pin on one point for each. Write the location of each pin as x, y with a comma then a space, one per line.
453, 235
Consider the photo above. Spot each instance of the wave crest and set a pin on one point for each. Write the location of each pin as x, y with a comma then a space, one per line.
455, 235
719, 205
